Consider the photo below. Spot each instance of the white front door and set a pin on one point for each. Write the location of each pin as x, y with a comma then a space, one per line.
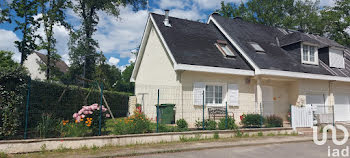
267, 97
341, 107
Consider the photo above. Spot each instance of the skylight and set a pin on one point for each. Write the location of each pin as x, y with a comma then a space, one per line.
225, 48
257, 47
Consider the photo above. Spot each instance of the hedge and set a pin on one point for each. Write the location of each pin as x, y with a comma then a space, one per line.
44, 98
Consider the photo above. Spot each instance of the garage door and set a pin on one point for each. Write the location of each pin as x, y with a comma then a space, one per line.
341, 107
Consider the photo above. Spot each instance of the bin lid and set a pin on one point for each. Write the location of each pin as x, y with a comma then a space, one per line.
165, 105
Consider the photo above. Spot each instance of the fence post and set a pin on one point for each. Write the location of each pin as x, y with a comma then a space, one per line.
226, 118
203, 112
333, 115
261, 115
157, 110
290, 113
27, 110
100, 120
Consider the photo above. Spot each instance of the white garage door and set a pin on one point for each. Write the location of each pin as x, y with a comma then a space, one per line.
341, 108
317, 100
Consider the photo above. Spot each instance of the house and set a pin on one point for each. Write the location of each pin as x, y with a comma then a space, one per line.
33, 61
252, 67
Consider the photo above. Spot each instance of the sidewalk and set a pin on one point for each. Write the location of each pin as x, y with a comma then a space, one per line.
174, 147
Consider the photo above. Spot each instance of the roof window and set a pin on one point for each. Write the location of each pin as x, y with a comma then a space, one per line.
225, 48
257, 47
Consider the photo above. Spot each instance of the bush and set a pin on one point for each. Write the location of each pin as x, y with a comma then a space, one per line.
252, 120
92, 115
45, 98
182, 125
13, 85
230, 123
274, 121
135, 124
166, 128
48, 127
71, 129
208, 124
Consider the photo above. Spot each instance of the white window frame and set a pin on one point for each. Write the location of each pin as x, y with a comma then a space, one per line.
221, 44
224, 93
315, 62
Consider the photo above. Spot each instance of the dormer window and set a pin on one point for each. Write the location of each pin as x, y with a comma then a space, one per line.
225, 48
336, 58
309, 54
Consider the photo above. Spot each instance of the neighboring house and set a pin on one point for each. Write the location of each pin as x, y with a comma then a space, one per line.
241, 63
33, 65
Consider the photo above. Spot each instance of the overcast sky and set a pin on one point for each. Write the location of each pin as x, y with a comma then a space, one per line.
118, 37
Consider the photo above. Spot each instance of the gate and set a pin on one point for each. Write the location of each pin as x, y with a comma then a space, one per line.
301, 116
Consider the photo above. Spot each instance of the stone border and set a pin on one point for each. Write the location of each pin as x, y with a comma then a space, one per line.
35, 145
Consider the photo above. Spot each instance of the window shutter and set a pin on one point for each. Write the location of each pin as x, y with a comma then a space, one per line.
198, 89
232, 93
336, 58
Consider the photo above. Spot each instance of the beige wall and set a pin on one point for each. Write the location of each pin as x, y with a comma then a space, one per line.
156, 72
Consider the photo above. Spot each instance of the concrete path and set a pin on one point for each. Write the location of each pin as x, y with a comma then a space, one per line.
289, 150
181, 147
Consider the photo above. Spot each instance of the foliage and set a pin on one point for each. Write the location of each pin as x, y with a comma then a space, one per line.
82, 45
26, 10
252, 120
48, 127
166, 128
216, 135
208, 124
136, 124
92, 114
12, 91
124, 85
4, 13
306, 15
6, 59
52, 13
72, 129
182, 125
49, 98
260, 134
274, 121
108, 74
230, 123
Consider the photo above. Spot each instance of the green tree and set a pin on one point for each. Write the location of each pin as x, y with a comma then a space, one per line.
337, 20
6, 59
290, 14
4, 12
52, 12
82, 46
124, 84
108, 74
25, 11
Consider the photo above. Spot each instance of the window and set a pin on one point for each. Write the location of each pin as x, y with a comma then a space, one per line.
336, 58
225, 48
257, 47
213, 94
309, 54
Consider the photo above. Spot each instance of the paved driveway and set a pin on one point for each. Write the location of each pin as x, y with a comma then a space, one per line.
289, 150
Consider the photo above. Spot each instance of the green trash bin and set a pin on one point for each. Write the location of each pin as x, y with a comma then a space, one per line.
167, 113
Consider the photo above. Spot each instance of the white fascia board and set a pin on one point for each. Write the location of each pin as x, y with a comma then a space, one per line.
150, 22
302, 75
234, 43
142, 49
210, 69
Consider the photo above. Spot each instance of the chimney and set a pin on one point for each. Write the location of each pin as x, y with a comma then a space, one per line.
166, 19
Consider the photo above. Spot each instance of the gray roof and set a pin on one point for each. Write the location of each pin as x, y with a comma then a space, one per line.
60, 64
193, 43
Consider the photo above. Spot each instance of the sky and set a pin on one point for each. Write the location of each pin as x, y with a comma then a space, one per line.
118, 37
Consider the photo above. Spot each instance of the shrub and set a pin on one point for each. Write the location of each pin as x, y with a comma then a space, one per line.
252, 120
13, 85
216, 135
274, 121
211, 125
135, 124
208, 124
48, 127
92, 115
182, 125
166, 128
74, 129
230, 123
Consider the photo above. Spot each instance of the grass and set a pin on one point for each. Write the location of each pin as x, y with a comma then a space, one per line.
3, 155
